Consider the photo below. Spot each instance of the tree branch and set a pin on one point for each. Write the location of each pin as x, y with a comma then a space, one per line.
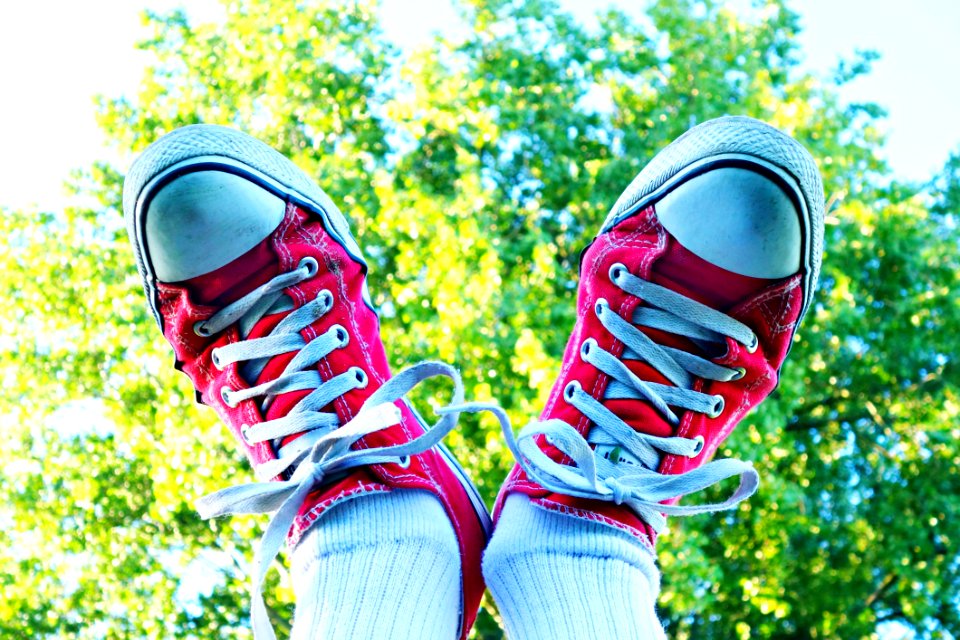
881, 590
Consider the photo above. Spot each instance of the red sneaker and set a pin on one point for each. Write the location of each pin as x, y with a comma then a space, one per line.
257, 283
688, 302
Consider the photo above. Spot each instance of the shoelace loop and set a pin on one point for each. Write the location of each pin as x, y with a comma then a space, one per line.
614, 462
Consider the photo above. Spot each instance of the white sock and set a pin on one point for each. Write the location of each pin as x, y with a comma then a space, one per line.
379, 566
555, 577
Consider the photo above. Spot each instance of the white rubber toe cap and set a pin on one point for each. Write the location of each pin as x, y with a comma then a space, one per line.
204, 220
736, 219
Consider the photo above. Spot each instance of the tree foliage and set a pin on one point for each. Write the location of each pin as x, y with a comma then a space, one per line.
474, 170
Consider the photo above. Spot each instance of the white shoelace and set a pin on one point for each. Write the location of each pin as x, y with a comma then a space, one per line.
615, 463
323, 451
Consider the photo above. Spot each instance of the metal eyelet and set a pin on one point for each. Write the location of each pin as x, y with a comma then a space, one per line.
617, 270
571, 389
585, 348
244, 430
200, 328
225, 396
752, 347
739, 372
326, 297
341, 334
361, 377
215, 357
717, 407
404, 462
600, 306
311, 264
700, 444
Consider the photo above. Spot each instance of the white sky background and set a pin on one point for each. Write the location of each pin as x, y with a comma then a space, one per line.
55, 55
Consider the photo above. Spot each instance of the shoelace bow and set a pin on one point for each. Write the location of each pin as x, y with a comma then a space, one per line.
323, 451
596, 472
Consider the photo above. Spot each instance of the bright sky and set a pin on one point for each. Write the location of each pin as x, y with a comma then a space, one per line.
55, 55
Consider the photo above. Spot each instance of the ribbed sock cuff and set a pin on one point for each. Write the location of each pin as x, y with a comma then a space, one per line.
555, 577
379, 566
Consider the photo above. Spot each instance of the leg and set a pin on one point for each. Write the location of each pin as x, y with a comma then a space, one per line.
257, 283
689, 299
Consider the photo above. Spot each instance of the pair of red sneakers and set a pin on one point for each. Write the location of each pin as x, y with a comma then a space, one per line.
688, 302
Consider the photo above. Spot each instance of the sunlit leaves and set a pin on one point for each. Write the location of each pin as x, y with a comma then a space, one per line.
474, 170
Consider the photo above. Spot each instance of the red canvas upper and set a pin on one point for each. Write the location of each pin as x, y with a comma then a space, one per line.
771, 308
302, 234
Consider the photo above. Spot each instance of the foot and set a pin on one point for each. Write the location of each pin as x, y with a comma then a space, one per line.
257, 283
688, 303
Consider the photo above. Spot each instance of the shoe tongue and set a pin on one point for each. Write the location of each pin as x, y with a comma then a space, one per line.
235, 279
684, 272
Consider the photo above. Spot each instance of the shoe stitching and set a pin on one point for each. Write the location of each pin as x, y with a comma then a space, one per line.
171, 300
307, 519
632, 239
593, 516
566, 366
321, 243
304, 234
729, 424
628, 240
785, 309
